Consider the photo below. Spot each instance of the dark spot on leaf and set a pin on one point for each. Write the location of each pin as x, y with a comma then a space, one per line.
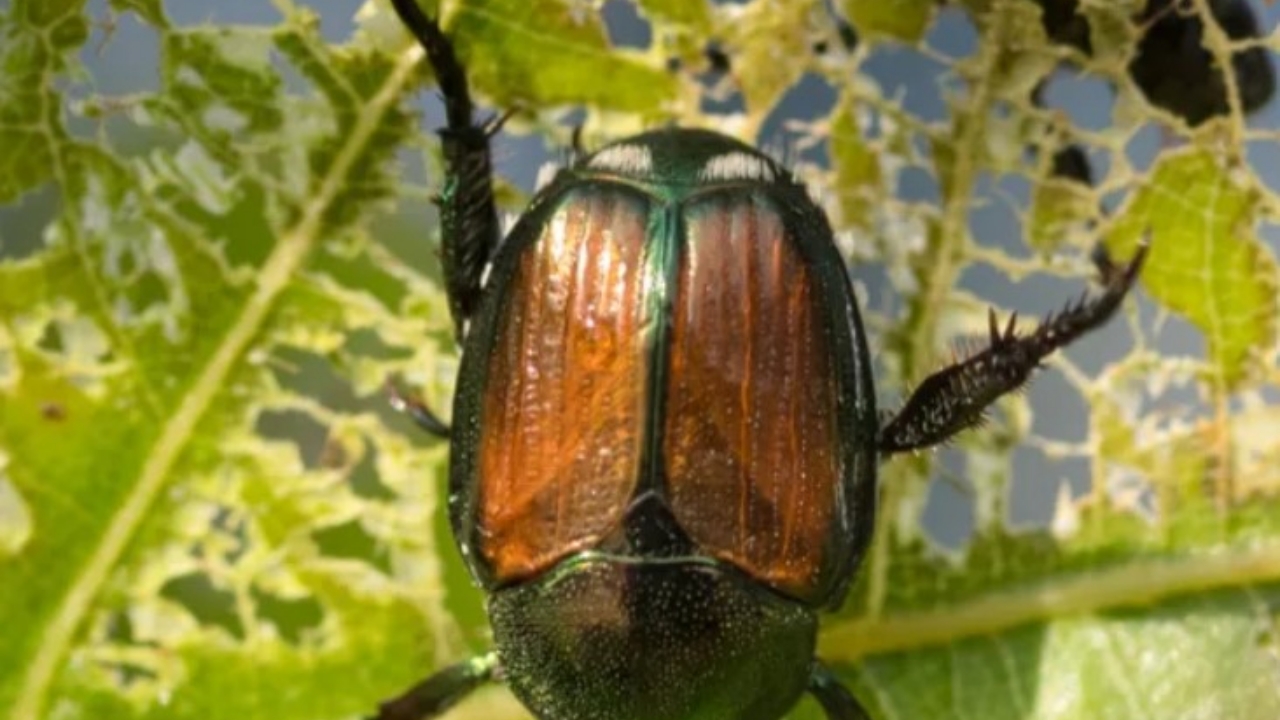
53, 411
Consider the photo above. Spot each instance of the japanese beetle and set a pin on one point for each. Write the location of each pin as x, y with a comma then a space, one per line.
664, 440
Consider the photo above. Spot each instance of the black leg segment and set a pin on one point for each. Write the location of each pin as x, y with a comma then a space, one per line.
441, 691
835, 698
956, 397
468, 216
423, 416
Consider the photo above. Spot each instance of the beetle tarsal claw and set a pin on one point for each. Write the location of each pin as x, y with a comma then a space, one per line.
422, 416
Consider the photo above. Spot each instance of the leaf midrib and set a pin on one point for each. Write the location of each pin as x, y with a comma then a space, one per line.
276, 273
1140, 583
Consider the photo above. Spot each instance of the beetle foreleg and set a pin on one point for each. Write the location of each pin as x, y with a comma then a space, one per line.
441, 691
468, 215
956, 397
833, 696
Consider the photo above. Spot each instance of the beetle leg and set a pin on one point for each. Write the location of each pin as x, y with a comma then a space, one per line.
833, 696
422, 416
441, 691
956, 397
468, 215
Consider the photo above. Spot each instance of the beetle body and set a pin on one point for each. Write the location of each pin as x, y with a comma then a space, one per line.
665, 431
664, 439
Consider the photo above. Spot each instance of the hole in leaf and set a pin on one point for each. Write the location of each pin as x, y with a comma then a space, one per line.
351, 541
118, 631
1265, 154
309, 374
1058, 409
809, 99
230, 525
369, 343
75, 339
51, 339
299, 428
948, 511
1036, 482
909, 74
15, 516
207, 603
352, 267
624, 25
22, 223
120, 627
917, 184
1085, 99
293, 618
364, 478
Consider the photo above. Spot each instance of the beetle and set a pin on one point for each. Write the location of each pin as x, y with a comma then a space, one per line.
664, 441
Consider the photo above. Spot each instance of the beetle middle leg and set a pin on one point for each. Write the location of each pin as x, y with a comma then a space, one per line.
833, 696
470, 230
957, 397
441, 691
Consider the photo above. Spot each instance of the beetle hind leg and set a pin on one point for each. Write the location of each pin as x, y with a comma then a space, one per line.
468, 214
833, 696
957, 397
433, 696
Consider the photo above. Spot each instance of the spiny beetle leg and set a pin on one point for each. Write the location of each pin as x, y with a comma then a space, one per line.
468, 215
833, 696
956, 397
441, 691
418, 411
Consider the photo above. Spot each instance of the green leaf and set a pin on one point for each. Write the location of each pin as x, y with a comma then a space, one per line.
904, 20
30, 120
1206, 262
858, 177
692, 13
769, 42
137, 353
1058, 206
542, 52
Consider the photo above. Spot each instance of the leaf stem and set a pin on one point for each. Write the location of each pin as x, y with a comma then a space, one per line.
1127, 585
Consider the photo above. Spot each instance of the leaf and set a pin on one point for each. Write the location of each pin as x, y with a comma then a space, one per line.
541, 52
1206, 263
207, 508
30, 105
858, 177
896, 19
692, 13
138, 350
1057, 205
769, 42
